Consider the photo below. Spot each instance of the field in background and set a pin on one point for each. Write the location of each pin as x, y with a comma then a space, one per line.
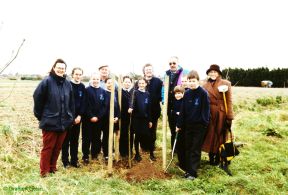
261, 124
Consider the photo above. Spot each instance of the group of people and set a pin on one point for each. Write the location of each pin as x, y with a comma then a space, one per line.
196, 113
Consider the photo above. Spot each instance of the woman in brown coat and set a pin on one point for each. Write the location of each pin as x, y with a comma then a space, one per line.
215, 135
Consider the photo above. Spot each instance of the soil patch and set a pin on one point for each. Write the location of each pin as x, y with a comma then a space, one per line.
146, 170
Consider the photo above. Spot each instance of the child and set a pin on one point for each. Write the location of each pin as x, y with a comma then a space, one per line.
184, 82
105, 139
125, 117
180, 146
193, 119
96, 107
141, 118
72, 136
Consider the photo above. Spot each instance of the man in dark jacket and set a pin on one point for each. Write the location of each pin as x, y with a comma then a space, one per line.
154, 88
175, 74
54, 108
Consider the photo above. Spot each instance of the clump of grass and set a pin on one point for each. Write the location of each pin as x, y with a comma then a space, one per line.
272, 132
266, 101
5, 130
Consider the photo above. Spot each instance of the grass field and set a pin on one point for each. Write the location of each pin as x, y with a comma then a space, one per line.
261, 124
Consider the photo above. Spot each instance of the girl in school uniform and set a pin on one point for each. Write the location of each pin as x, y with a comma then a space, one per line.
125, 117
72, 138
141, 117
96, 108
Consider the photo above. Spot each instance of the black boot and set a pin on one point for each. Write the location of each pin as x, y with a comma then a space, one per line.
75, 164
211, 158
225, 168
137, 157
217, 159
152, 157
66, 163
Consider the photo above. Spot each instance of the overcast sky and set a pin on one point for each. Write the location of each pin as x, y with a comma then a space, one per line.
126, 34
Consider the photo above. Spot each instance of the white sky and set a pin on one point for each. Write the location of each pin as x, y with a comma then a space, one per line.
130, 33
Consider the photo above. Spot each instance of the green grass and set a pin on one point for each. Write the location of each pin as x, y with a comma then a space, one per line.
261, 167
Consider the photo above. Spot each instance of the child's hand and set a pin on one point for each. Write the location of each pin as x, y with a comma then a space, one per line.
94, 119
130, 110
150, 124
77, 120
178, 129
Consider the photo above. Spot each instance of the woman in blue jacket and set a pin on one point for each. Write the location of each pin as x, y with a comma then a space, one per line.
54, 108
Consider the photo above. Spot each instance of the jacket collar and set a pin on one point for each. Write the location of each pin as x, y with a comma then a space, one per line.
213, 90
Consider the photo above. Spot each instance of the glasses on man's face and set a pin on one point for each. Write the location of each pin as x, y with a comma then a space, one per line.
174, 63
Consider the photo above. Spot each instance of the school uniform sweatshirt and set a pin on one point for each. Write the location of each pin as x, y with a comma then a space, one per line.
79, 98
195, 108
177, 108
96, 102
126, 95
141, 105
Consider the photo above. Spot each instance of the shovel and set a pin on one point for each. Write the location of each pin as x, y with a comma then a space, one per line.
173, 150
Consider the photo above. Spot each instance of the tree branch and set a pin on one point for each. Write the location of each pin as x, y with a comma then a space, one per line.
6, 65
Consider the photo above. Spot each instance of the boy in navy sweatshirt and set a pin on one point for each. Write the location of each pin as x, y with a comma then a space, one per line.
193, 120
96, 108
141, 118
180, 146
72, 137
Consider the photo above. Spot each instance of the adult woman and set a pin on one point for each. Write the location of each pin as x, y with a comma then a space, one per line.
215, 135
54, 108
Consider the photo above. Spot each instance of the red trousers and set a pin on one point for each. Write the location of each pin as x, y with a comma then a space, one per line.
52, 144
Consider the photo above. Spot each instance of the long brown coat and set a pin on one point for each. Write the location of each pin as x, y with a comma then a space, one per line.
214, 137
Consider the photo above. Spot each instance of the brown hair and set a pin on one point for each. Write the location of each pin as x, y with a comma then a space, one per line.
56, 62
193, 74
107, 79
127, 77
146, 65
178, 88
76, 68
142, 78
